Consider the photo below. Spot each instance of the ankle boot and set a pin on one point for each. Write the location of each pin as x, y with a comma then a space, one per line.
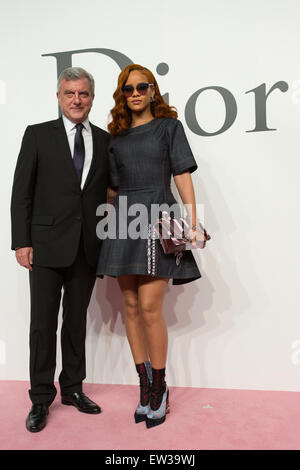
145, 374
159, 399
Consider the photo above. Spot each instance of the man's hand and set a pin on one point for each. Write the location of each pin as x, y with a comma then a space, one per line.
25, 257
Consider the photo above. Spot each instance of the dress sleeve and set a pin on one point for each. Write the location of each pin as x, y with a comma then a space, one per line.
181, 156
114, 180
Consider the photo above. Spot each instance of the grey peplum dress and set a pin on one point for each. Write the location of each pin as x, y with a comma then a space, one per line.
141, 163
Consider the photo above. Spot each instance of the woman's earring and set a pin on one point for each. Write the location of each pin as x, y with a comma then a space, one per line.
151, 99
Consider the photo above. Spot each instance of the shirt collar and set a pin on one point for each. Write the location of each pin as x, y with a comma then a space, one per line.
69, 125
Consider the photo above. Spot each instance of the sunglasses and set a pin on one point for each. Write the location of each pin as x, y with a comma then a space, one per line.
141, 88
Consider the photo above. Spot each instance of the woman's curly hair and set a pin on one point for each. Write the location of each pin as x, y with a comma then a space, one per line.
121, 114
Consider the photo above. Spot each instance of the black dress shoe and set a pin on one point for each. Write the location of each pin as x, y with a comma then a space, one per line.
37, 418
82, 403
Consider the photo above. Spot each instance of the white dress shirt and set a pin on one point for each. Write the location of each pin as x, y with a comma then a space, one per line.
88, 143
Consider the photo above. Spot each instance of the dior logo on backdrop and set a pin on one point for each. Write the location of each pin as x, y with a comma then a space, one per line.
260, 93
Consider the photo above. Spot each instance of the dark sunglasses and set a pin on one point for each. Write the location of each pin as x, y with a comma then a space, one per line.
141, 88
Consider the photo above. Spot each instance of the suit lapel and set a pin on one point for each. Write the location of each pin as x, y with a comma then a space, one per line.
94, 158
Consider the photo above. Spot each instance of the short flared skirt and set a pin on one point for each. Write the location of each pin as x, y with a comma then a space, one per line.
145, 256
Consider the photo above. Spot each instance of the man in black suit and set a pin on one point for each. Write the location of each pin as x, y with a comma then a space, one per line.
61, 177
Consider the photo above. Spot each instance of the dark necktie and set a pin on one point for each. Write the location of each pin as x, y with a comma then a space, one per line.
79, 151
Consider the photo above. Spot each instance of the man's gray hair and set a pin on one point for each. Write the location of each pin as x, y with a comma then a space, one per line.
75, 73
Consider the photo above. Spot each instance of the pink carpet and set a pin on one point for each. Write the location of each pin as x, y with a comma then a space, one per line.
199, 419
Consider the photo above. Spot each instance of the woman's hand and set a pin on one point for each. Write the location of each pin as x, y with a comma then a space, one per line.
196, 235
111, 195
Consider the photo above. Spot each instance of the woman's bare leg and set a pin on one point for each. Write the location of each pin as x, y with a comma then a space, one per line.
133, 320
151, 292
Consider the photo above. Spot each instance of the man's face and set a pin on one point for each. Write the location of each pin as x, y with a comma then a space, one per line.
75, 99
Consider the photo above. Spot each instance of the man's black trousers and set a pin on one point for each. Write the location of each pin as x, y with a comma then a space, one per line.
46, 285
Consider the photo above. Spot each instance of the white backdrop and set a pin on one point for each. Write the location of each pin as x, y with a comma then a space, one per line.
239, 326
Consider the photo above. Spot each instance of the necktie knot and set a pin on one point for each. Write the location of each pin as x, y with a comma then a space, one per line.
79, 126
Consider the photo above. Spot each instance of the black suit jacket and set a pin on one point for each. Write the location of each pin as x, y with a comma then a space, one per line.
48, 208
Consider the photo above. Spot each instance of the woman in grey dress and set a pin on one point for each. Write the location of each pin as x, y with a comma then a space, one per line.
148, 145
